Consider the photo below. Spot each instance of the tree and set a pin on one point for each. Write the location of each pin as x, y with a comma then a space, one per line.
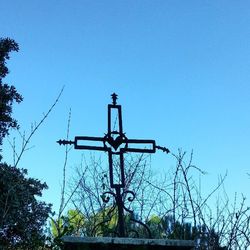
22, 215
8, 94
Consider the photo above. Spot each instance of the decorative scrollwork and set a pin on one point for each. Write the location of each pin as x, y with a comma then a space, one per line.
132, 217
128, 192
130, 198
130, 228
106, 196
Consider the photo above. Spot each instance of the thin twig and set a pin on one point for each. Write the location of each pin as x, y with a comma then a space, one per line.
26, 141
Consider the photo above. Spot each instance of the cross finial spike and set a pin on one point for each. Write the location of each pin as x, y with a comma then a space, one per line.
114, 98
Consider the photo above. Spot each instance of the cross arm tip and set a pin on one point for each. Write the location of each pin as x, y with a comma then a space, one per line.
164, 149
64, 142
59, 142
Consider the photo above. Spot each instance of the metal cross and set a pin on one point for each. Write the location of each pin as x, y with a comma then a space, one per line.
116, 144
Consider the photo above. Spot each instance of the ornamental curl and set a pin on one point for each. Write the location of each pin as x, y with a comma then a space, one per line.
106, 196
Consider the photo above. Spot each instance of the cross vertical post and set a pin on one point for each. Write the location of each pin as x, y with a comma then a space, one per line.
116, 144
115, 138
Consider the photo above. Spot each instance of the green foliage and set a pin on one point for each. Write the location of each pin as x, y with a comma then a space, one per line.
156, 226
104, 222
8, 94
22, 215
6, 46
167, 227
75, 223
67, 225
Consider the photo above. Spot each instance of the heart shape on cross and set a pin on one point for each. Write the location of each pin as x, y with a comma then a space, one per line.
115, 143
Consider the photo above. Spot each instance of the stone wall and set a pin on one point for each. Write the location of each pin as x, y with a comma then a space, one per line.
109, 243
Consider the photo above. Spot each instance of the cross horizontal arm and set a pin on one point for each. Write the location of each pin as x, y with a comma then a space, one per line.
132, 143
89, 139
86, 140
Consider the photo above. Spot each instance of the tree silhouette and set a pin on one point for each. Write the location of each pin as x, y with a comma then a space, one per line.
8, 94
22, 216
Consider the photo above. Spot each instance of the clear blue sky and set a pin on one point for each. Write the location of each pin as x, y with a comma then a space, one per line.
181, 69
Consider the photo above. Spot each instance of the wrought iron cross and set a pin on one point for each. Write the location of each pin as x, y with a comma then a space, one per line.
116, 144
